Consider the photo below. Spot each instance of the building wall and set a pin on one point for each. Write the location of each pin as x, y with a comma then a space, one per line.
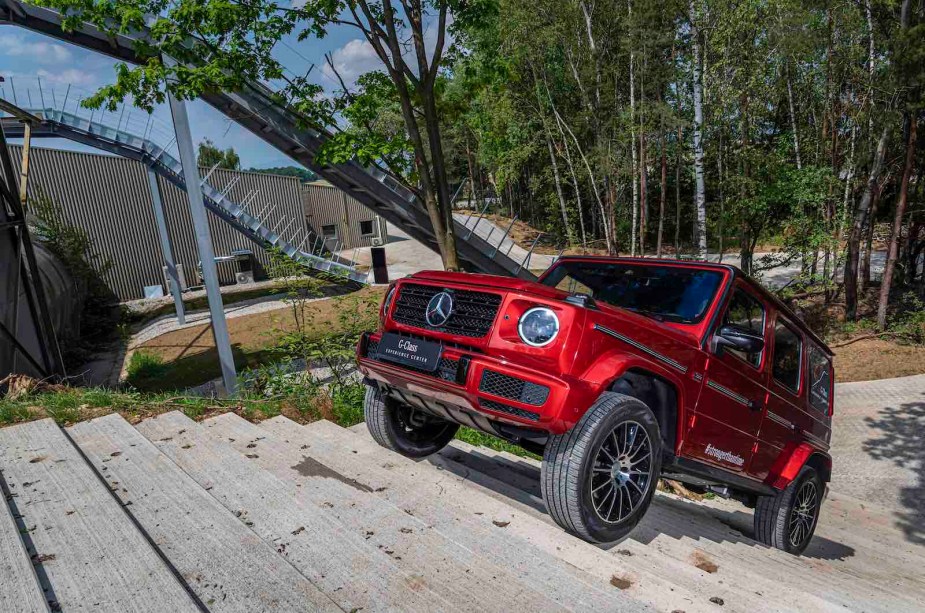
327, 207
108, 196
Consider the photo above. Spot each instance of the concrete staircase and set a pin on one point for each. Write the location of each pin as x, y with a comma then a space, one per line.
226, 515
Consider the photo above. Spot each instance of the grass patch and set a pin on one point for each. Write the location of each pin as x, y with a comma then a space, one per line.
478, 438
79, 404
145, 366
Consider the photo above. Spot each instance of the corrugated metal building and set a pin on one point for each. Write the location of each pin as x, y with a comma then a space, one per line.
341, 219
108, 196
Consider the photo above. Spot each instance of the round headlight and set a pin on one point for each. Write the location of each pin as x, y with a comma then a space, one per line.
538, 326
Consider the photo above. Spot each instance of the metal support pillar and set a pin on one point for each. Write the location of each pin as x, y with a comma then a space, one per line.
160, 218
204, 242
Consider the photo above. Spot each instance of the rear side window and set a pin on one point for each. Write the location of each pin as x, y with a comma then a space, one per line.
788, 352
746, 312
820, 379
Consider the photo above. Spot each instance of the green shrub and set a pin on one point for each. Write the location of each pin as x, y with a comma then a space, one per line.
145, 366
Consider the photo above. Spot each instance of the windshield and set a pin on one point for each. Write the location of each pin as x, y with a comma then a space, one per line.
667, 293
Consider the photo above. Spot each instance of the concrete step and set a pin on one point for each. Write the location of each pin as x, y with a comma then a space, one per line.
686, 531
864, 552
228, 566
543, 558
20, 591
93, 555
687, 572
342, 564
739, 588
455, 572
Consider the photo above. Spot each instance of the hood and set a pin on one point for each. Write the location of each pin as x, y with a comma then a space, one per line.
490, 281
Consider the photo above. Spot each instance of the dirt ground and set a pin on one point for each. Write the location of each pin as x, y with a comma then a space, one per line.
877, 359
252, 332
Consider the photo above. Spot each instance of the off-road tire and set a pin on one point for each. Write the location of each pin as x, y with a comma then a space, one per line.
387, 421
773, 513
569, 459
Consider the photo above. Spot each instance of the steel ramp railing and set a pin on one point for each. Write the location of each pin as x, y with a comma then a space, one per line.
89, 127
262, 111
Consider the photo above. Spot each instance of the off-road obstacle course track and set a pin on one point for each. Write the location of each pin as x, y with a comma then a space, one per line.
226, 515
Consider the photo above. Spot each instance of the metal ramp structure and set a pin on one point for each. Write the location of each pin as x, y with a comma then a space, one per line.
116, 134
257, 108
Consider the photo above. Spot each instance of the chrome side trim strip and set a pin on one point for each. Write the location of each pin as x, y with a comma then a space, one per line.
655, 354
780, 420
728, 392
815, 438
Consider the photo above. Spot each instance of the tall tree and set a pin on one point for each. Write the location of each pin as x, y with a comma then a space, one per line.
700, 199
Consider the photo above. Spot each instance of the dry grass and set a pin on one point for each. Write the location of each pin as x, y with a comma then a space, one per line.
872, 359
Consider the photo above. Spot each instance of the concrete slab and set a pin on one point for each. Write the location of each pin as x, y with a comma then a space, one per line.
830, 575
455, 572
20, 591
542, 558
355, 575
228, 566
95, 558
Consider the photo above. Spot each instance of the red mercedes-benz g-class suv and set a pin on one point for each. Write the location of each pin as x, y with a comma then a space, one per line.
617, 371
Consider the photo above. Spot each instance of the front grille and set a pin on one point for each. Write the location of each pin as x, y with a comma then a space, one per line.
446, 370
503, 408
496, 384
473, 312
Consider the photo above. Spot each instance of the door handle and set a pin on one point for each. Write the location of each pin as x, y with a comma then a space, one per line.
755, 405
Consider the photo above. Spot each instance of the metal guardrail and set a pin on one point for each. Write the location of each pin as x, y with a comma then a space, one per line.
64, 108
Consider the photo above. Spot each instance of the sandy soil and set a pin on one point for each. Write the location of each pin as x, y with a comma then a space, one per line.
250, 332
877, 359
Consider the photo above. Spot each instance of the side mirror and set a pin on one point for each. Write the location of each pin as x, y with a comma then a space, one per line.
739, 339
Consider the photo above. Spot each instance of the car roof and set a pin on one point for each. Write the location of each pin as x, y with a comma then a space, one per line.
734, 273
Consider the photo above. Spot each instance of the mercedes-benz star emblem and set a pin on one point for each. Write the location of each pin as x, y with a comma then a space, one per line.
439, 309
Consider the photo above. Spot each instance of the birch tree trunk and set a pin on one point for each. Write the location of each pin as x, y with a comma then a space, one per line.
643, 192
677, 194
555, 174
864, 281
896, 234
700, 202
661, 199
854, 238
576, 185
793, 122
635, 162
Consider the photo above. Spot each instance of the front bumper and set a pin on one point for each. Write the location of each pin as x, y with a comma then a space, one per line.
472, 388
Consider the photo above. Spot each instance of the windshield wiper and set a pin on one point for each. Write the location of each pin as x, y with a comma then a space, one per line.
652, 314
660, 316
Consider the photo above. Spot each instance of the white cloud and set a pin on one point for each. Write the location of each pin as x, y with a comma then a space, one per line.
68, 76
42, 52
358, 56
352, 60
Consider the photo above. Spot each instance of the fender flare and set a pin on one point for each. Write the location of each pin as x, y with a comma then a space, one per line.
792, 460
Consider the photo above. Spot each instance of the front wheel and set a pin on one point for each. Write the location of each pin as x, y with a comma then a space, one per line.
598, 478
403, 429
788, 520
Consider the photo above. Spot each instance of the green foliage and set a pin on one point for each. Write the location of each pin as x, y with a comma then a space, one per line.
86, 266
288, 171
145, 367
480, 439
209, 155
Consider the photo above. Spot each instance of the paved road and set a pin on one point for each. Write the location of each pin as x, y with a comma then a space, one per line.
878, 433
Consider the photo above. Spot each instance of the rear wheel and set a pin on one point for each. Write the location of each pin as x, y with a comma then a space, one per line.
787, 520
404, 429
598, 478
